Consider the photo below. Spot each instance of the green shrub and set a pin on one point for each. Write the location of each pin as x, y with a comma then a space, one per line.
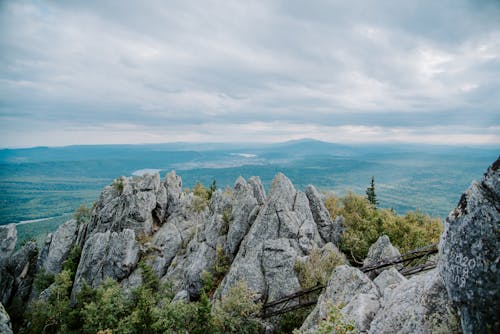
82, 214
317, 267
119, 185
237, 312
336, 322
72, 261
291, 321
364, 224
43, 280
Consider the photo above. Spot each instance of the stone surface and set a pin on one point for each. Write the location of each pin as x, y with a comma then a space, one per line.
389, 278
5, 324
60, 245
329, 230
8, 239
137, 203
418, 305
283, 229
470, 254
344, 286
382, 249
109, 254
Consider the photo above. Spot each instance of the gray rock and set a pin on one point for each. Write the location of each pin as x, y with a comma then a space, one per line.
345, 284
388, 278
284, 229
258, 190
202, 260
181, 296
44, 252
470, 254
8, 239
243, 204
141, 205
166, 243
17, 273
382, 249
5, 324
362, 309
418, 305
329, 230
173, 185
109, 254
60, 246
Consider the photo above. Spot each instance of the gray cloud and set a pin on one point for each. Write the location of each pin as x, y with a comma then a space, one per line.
403, 71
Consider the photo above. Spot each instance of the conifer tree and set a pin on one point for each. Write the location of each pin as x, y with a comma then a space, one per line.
370, 193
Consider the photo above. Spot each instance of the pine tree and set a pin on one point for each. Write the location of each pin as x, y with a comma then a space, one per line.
370, 192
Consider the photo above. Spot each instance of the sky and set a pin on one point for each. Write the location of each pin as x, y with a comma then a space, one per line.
105, 72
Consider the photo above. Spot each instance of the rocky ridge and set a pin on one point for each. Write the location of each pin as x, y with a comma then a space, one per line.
261, 237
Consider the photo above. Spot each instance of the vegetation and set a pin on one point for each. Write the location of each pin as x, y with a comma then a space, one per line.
82, 214
364, 224
119, 184
336, 322
43, 280
317, 267
371, 196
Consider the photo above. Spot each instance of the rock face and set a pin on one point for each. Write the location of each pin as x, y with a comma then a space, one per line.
5, 325
418, 305
137, 203
109, 254
382, 249
283, 229
329, 230
470, 254
60, 245
8, 239
388, 279
351, 288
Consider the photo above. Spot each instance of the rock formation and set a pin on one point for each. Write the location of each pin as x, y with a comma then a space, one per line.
470, 254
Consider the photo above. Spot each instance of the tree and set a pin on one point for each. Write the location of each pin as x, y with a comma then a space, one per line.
370, 193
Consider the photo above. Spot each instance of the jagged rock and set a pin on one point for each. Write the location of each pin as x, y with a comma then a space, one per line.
181, 296
389, 278
244, 202
167, 242
382, 249
201, 261
285, 215
418, 305
44, 252
173, 185
16, 276
470, 254
5, 324
137, 203
329, 230
109, 254
258, 190
61, 243
8, 239
344, 285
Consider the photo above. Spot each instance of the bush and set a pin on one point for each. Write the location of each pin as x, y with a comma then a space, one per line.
43, 280
72, 261
364, 224
317, 267
119, 185
82, 214
336, 322
237, 312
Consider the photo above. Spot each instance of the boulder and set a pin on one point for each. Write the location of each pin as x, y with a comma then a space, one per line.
5, 324
470, 254
381, 250
389, 278
418, 305
344, 288
258, 190
109, 254
8, 239
60, 246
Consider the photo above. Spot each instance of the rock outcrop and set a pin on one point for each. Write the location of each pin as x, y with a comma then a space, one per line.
283, 229
353, 292
381, 250
59, 247
5, 324
8, 239
418, 305
470, 254
329, 230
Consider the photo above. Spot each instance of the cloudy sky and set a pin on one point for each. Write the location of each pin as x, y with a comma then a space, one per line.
87, 72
